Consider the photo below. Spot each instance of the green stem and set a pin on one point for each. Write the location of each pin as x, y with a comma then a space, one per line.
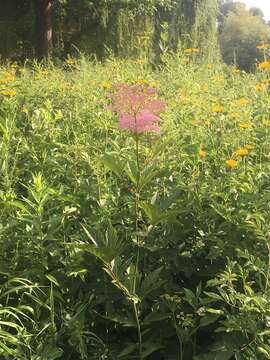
179, 338
138, 329
137, 199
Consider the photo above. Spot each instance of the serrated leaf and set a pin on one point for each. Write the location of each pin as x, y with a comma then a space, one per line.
150, 283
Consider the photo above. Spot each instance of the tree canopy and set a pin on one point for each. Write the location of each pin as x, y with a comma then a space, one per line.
99, 26
241, 30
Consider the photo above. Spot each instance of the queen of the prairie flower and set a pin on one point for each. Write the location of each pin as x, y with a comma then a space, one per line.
138, 107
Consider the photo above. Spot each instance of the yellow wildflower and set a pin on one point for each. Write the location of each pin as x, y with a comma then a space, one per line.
231, 163
242, 102
265, 65
140, 61
245, 126
70, 61
262, 46
105, 84
241, 152
217, 109
190, 51
202, 153
236, 71
141, 82
8, 92
153, 84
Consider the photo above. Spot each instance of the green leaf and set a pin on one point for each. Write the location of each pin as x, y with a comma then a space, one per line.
17, 204
155, 214
264, 351
147, 175
213, 295
150, 283
191, 297
105, 246
52, 279
208, 319
132, 172
155, 317
113, 162
150, 348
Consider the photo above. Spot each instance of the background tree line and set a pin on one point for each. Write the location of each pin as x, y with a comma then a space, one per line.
41, 28
38, 28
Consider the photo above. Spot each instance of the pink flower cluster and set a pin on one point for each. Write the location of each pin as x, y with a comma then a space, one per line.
138, 108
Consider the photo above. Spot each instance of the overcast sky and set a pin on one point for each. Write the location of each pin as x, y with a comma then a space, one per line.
262, 4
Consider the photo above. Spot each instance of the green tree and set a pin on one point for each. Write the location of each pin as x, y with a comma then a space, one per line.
240, 34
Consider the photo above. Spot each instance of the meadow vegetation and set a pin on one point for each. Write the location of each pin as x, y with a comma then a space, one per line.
117, 242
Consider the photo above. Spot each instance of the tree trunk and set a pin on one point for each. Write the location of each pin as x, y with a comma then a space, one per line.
43, 28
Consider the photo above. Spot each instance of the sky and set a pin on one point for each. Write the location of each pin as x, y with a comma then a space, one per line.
262, 4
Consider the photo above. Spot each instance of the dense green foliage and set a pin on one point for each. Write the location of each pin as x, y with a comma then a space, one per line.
82, 219
100, 28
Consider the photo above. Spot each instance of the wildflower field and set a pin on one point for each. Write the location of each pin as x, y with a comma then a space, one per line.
135, 211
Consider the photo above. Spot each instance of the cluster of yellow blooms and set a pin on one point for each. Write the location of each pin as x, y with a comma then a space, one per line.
241, 152
8, 77
231, 163
244, 151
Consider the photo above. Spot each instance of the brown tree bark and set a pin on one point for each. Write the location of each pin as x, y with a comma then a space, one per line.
43, 28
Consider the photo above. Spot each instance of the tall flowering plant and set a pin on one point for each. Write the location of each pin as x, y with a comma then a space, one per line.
138, 108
